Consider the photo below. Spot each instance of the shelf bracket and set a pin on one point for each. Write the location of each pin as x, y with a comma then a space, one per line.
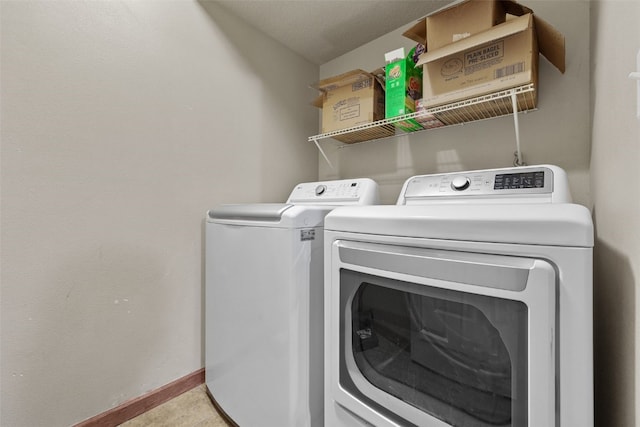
517, 161
315, 140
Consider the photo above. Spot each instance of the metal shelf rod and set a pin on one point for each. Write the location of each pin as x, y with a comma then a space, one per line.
484, 107
326, 159
514, 102
435, 110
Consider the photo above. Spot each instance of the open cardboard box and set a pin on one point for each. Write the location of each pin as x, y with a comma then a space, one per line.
458, 20
501, 57
350, 99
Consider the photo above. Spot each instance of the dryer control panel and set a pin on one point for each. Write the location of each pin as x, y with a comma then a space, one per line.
359, 191
537, 184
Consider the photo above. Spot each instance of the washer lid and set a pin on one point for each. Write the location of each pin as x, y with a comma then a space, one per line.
550, 224
269, 215
250, 212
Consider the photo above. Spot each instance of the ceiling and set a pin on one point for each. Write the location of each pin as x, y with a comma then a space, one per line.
321, 30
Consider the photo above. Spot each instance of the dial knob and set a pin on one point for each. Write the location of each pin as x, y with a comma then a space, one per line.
320, 189
460, 183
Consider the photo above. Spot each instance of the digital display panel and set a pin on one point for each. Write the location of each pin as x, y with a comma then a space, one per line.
509, 181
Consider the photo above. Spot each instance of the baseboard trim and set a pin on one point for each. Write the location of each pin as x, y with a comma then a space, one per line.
139, 405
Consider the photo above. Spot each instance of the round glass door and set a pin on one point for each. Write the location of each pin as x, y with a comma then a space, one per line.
460, 357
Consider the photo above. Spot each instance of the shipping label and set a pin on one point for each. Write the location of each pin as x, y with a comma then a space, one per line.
309, 234
349, 112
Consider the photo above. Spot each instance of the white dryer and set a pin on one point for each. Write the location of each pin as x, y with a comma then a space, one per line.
469, 303
264, 304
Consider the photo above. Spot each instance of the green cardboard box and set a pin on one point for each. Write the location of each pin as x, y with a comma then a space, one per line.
403, 84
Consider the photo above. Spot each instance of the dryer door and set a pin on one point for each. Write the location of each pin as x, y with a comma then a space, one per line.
442, 338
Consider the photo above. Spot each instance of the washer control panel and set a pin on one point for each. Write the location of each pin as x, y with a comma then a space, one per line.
340, 192
536, 182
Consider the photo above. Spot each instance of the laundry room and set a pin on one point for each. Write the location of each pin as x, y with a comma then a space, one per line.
127, 124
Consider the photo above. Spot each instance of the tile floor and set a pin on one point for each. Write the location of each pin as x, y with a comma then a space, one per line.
190, 409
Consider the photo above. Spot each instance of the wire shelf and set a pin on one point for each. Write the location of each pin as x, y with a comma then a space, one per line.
489, 106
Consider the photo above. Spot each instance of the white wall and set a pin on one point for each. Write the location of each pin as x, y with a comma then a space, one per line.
616, 198
122, 123
557, 133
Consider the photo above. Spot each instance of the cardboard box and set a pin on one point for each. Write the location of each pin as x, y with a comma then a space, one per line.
500, 58
350, 99
403, 81
504, 57
460, 20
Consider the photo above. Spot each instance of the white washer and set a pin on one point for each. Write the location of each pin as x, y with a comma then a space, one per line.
264, 304
469, 303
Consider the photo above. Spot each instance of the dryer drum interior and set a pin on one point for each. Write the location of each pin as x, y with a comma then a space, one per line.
458, 356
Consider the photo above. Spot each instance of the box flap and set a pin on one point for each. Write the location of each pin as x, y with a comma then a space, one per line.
550, 43
508, 28
379, 75
418, 32
513, 8
318, 101
347, 78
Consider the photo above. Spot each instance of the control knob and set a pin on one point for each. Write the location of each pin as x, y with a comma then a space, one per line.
460, 183
320, 189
